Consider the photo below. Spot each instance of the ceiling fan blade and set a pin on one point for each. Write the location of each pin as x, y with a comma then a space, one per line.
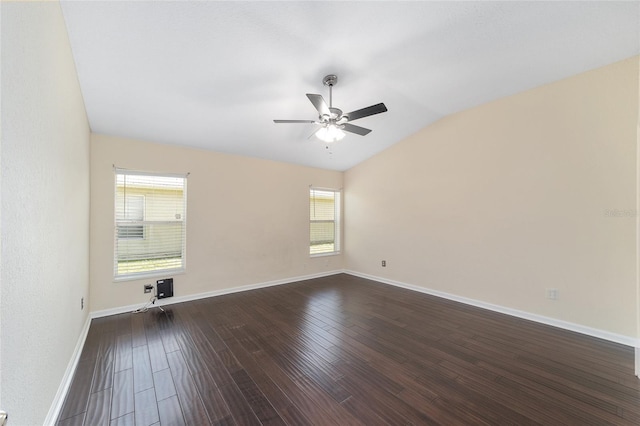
294, 121
319, 103
365, 112
355, 129
313, 134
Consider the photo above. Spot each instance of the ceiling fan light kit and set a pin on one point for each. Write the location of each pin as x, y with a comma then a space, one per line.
330, 133
334, 123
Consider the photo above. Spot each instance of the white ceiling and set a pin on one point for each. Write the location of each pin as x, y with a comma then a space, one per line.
214, 75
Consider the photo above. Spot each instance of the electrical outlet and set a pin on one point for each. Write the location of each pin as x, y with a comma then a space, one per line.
148, 288
384, 263
552, 293
81, 303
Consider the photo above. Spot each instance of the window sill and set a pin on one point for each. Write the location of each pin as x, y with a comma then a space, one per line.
159, 274
333, 253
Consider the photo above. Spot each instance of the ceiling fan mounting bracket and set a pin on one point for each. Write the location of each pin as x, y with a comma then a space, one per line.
330, 80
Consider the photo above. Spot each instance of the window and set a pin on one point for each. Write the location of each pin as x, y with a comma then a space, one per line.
324, 209
150, 223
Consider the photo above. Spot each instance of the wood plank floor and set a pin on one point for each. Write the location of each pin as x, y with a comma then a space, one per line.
342, 350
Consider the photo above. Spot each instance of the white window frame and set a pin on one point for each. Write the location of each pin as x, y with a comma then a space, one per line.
337, 221
183, 215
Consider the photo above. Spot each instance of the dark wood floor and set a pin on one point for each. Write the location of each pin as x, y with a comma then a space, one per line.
342, 350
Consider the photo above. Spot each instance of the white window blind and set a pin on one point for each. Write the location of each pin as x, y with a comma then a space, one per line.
150, 223
133, 213
324, 226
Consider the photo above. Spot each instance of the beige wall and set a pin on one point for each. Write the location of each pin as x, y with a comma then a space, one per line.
44, 209
247, 219
637, 350
500, 202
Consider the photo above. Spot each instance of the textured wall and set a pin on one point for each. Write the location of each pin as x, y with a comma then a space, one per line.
44, 208
500, 202
247, 219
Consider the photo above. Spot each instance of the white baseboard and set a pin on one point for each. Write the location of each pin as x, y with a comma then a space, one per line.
593, 332
56, 405
187, 298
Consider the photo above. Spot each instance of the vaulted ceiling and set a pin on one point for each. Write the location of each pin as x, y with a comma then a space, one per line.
214, 75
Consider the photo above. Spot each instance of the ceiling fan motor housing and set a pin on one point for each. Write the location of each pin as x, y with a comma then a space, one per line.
336, 113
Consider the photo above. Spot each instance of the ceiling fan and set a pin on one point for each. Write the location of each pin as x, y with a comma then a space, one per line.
332, 120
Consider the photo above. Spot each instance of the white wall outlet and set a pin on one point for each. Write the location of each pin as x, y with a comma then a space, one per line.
552, 293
